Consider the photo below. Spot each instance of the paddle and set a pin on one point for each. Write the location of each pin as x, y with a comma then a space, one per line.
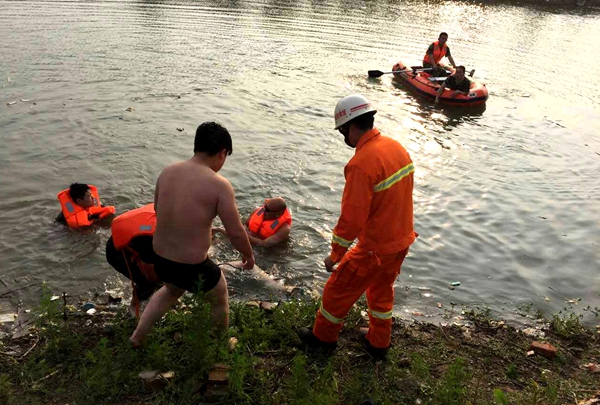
379, 73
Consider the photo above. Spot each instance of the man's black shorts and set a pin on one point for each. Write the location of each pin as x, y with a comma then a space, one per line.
188, 276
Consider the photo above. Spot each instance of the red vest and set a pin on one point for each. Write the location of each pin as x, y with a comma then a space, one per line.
77, 216
438, 53
125, 227
141, 221
263, 228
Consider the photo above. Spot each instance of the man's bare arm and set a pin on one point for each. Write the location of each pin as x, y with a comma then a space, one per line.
156, 196
228, 212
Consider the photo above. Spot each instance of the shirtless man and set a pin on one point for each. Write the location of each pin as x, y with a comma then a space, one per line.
188, 196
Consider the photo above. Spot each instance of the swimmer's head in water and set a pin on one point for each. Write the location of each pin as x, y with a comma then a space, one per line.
213, 140
274, 208
82, 195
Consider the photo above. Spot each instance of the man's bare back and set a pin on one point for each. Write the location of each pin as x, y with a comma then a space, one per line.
186, 200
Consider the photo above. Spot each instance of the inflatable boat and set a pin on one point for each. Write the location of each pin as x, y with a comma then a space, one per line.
421, 82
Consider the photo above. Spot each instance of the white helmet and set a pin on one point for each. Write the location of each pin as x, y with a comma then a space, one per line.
351, 107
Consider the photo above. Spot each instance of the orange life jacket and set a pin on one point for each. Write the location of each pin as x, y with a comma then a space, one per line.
137, 222
141, 221
438, 53
77, 216
263, 228
125, 227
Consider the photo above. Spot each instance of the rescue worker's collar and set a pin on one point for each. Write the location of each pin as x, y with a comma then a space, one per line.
367, 136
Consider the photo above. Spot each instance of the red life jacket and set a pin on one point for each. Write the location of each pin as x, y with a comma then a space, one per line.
137, 222
438, 53
263, 228
77, 216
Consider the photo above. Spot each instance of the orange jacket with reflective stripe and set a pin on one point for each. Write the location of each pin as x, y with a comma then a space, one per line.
77, 216
140, 221
264, 229
438, 53
377, 204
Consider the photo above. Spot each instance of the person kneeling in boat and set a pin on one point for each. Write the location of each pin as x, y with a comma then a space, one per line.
457, 82
268, 225
129, 250
435, 53
80, 206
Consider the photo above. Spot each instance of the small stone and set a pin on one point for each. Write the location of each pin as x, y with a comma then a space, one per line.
543, 349
233, 341
546, 373
216, 393
219, 374
155, 380
252, 304
439, 305
268, 307
592, 367
91, 311
530, 353
180, 129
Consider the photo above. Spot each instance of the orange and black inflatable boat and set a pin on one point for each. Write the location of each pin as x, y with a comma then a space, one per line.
423, 83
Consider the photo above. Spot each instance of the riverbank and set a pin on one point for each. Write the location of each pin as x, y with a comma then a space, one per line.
471, 360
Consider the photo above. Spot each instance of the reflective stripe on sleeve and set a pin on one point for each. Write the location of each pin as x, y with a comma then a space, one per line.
341, 241
330, 317
395, 178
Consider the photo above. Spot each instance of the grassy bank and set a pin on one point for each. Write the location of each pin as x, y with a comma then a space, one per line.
87, 360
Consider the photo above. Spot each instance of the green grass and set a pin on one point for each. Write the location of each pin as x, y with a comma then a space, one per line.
81, 363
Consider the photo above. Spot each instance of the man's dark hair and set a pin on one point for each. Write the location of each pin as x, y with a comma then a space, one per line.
443, 33
77, 191
364, 122
212, 138
461, 67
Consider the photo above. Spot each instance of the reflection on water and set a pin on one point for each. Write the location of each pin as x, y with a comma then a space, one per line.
505, 196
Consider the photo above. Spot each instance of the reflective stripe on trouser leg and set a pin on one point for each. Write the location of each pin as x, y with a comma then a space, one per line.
380, 298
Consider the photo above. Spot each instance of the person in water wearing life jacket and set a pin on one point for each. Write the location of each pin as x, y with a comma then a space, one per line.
457, 82
129, 250
188, 197
269, 224
435, 53
80, 206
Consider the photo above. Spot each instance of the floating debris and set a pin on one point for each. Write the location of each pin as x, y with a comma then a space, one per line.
24, 100
180, 129
130, 109
547, 299
11, 103
424, 289
427, 295
417, 313
455, 284
54, 298
451, 288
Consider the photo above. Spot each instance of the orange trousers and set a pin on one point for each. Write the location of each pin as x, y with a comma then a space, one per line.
360, 271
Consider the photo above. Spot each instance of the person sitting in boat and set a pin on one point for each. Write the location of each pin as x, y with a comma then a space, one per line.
457, 82
80, 206
268, 225
435, 53
129, 251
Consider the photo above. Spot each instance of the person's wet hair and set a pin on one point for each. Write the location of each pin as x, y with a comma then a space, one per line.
462, 68
364, 122
212, 138
443, 34
77, 191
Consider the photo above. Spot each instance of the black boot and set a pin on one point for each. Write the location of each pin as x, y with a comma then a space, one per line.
375, 352
309, 339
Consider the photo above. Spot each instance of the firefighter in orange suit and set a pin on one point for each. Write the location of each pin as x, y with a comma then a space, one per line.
377, 208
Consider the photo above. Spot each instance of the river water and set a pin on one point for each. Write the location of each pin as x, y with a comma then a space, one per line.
506, 198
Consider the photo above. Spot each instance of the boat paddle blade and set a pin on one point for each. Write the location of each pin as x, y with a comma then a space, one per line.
375, 73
